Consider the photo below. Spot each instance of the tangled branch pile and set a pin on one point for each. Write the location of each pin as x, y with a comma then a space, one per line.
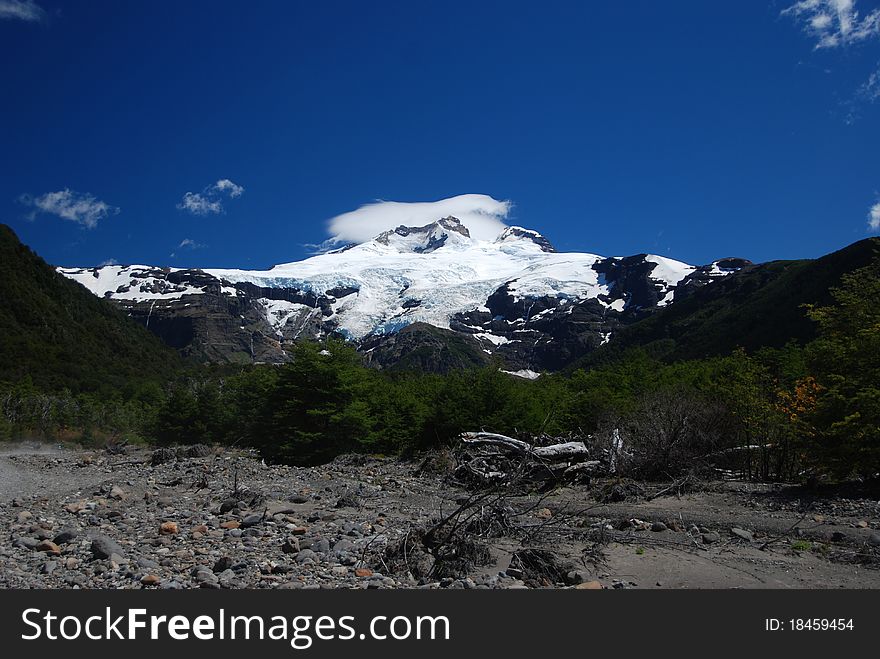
488, 459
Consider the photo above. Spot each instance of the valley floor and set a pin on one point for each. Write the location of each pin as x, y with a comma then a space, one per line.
75, 518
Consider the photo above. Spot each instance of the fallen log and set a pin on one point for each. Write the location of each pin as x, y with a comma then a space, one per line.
563, 451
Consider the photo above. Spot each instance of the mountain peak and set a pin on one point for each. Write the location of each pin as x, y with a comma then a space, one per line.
428, 238
513, 234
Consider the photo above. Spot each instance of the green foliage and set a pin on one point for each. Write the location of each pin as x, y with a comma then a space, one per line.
846, 357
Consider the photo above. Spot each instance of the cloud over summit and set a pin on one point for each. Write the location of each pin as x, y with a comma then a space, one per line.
481, 214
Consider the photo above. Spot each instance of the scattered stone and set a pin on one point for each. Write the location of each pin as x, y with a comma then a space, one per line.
230, 524
26, 543
49, 547
658, 526
150, 580
343, 545
146, 563
710, 538
104, 547
363, 572
75, 507
590, 585
117, 493
251, 520
223, 563
306, 555
65, 536
544, 513
168, 528
748, 536
576, 577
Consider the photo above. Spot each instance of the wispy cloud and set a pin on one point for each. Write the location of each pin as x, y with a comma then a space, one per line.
108, 262
225, 185
187, 244
834, 23
874, 217
80, 207
481, 214
21, 10
870, 90
210, 200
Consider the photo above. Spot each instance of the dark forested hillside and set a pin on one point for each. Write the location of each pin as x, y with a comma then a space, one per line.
61, 336
760, 306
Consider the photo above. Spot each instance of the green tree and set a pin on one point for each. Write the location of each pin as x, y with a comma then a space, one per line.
846, 360
318, 408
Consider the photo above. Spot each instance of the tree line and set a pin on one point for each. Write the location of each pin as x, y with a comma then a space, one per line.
774, 413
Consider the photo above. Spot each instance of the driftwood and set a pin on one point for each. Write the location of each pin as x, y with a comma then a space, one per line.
564, 451
489, 458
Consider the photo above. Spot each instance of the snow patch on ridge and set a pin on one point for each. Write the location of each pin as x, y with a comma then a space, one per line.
129, 282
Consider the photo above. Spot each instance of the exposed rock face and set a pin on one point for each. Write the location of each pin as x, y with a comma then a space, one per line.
427, 238
427, 297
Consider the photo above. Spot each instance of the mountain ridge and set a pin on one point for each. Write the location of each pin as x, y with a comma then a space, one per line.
516, 296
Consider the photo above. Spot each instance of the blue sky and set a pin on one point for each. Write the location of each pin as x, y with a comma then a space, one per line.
690, 129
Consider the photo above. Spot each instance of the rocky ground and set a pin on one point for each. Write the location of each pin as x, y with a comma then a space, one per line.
224, 519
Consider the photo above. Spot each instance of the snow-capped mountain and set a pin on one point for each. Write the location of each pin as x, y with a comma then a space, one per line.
514, 296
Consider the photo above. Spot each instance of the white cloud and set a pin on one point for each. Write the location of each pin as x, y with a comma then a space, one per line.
80, 207
835, 22
108, 262
199, 204
22, 10
481, 214
210, 200
874, 217
225, 185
